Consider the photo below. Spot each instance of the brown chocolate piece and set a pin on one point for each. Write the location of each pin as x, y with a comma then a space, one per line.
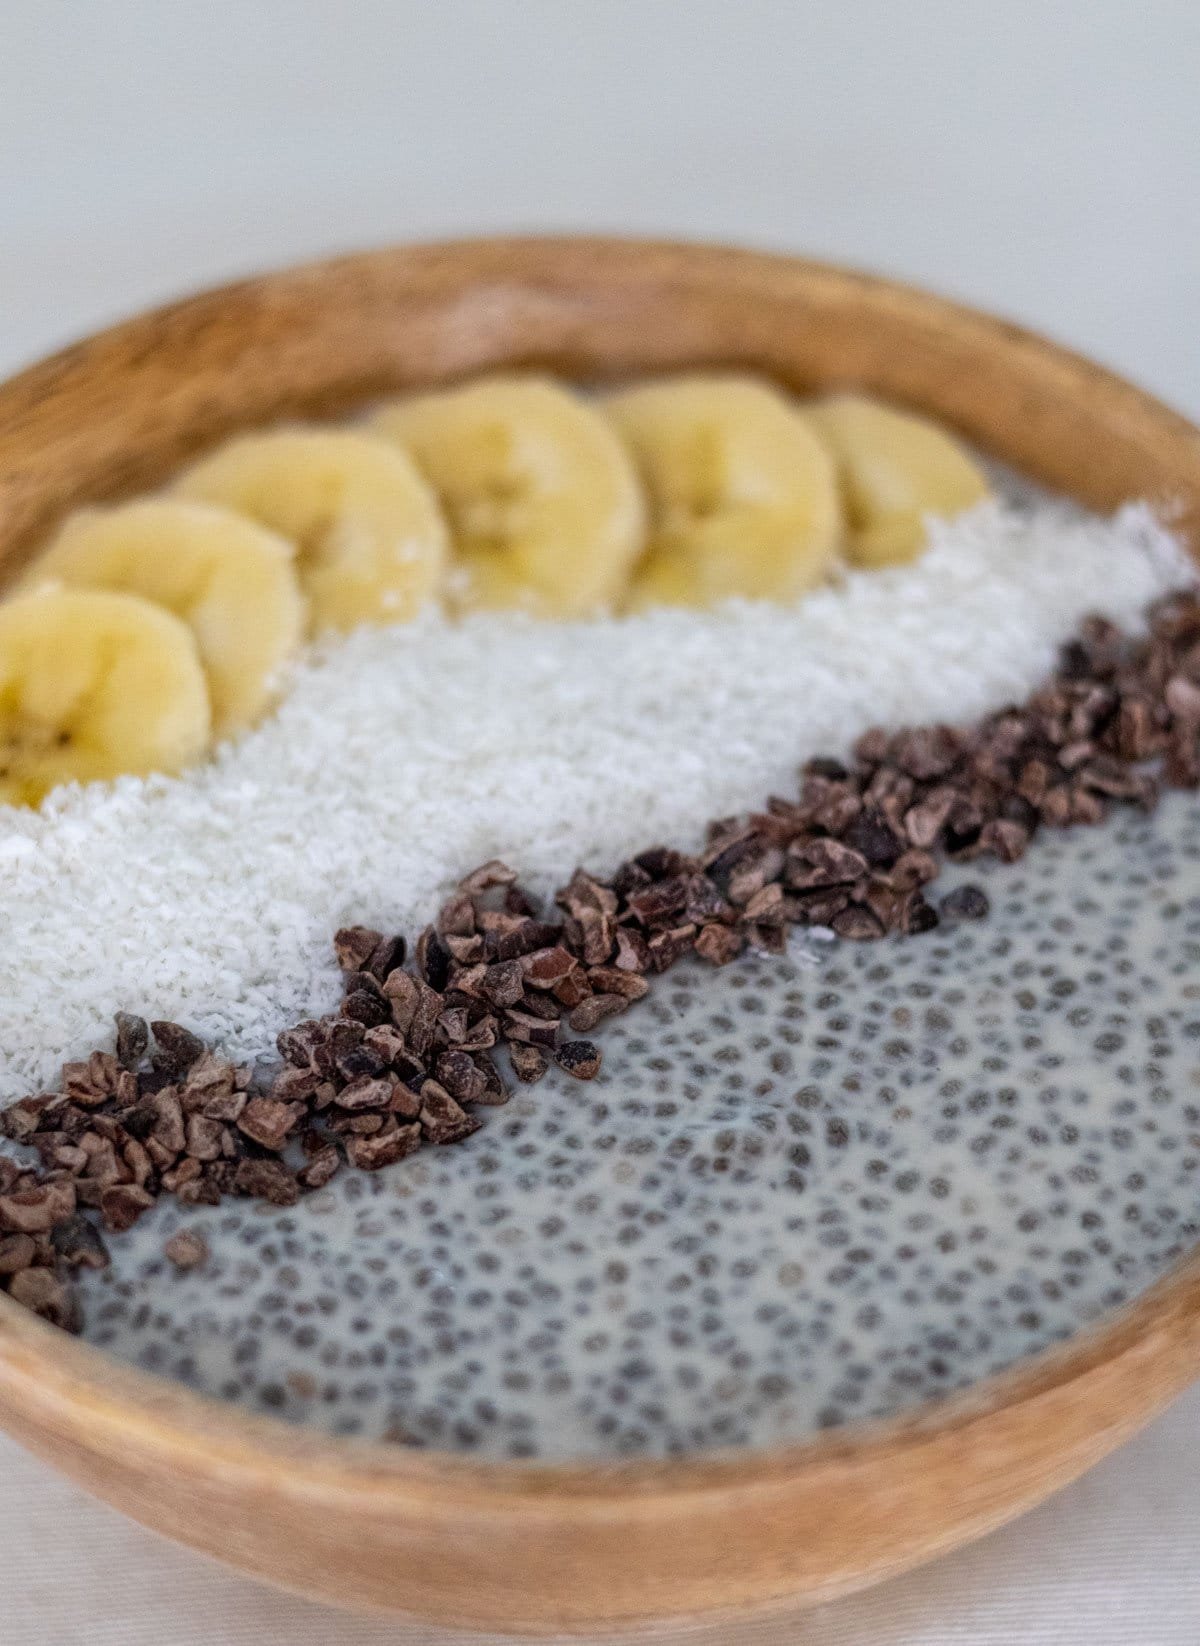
633, 952
321, 1168
666, 947
580, 1058
133, 1037
354, 946
719, 944
529, 1064
442, 1120
525, 1026
268, 1180
121, 1204
268, 1122
612, 980
595, 1009
37, 1209
77, 1242
384, 1148
369, 1092
504, 983
457, 1072
177, 1048
45, 1294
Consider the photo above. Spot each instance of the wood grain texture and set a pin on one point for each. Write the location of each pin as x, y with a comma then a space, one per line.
577, 1547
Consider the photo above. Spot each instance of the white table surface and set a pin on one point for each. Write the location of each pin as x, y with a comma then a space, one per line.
1039, 159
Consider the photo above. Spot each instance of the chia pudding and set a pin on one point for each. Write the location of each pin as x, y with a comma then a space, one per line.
801, 1190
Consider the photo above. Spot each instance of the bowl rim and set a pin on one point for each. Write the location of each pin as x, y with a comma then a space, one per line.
80, 1391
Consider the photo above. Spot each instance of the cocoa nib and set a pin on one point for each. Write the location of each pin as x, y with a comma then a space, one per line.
423, 1025
404, 992
633, 952
457, 1073
545, 968
876, 839
354, 946
858, 922
37, 1209
77, 1242
658, 902
267, 1180
570, 990
524, 1026
177, 1048
133, 1037
387, 954
612, 980
122, 1205
529, 1064
510, 937
595, 1009
442, 1119
384, 1148
366, 1007
1007, 840
719, 944
43, 1292
298, 1046
17, 1252
268, 1122
824, 862
492, 873
433, 959
667, 947
504, 983
323, 1165
580, 1058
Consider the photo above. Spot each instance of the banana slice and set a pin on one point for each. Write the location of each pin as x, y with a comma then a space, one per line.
743, 496
543, 502
94, 684
232, 582
370, 540
894, 470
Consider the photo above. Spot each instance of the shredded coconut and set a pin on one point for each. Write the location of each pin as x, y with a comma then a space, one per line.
402, 757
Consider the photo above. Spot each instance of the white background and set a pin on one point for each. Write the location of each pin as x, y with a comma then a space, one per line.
1042, 160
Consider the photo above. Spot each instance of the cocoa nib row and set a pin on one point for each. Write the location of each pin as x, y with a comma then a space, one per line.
411, 1054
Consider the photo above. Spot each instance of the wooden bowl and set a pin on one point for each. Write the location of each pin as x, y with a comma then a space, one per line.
573, 1547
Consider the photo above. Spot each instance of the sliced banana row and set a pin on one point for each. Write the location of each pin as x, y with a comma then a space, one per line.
145, 631
746, 493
